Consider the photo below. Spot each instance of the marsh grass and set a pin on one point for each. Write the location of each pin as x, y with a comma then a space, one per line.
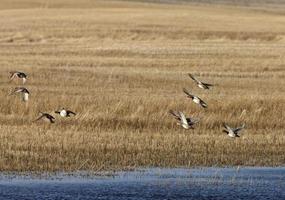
121, 67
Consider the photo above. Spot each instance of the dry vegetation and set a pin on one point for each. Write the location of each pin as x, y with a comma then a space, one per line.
122, 66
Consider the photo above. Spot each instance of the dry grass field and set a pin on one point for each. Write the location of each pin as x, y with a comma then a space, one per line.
121, 66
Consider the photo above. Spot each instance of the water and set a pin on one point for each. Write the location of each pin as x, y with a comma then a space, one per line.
153, 183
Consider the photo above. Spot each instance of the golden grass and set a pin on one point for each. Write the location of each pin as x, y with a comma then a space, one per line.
122, 66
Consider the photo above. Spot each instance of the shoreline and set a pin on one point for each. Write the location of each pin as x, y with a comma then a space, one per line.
85, 174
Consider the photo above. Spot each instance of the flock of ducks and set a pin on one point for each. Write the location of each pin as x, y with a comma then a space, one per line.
182, 120
24, 92
188, 122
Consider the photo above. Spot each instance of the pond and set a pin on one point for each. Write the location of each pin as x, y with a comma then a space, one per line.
150, 183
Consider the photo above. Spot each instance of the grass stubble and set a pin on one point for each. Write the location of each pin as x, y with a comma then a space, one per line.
121, 66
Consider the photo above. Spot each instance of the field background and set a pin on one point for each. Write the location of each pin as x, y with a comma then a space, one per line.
121, 65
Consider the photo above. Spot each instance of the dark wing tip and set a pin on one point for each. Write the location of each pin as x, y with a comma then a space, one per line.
209, 85
71, 112
186, 91
174, 114
171, 112
191, 76
203, 103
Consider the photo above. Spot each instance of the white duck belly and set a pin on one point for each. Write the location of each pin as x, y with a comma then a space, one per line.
196, 100
63, 113
25, 96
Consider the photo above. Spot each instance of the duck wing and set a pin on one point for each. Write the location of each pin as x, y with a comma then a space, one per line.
13, 74
50, 117
70, 112
40, 117
207, 84
236, 130
193, 121
188, 93
183, 118
174, 114
193, 78
203, 103
227, 127
16, 90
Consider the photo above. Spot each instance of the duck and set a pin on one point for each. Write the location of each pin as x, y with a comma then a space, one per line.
183, 121
195, 99
232, 132
200, 84
179, 117
24, 91
65, 113
46, 116
18, 74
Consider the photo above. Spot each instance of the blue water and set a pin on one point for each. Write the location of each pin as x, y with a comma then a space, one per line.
154, 183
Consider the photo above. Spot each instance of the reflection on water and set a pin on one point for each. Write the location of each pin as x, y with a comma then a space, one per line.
154, 183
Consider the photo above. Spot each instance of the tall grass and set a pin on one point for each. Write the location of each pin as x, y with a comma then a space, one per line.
122, 67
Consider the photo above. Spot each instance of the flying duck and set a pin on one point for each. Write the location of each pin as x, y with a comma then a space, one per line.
183, 121
201, 84
179, 116
20, 75
65, 113
195, 99
46, 116
232, 132
24, 91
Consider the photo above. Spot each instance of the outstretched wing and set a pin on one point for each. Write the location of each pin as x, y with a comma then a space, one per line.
207, 84
193, 121
187, 93
70, 112
239, 128
40, 117
203, 103
13, 74
195, 79
51, 118
227, 127
16, 90
175, 114
183, 118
